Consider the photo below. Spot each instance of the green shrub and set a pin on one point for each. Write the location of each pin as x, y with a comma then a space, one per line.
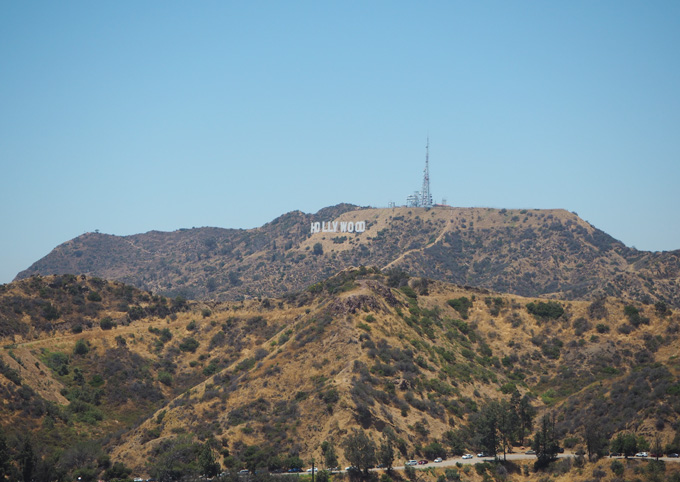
634, 316
461, 305
96, 381
602, 328
165, 378
165, 335
542, 310
210, 369
189, 344
94, 296
107, 323
81, 348
408, 291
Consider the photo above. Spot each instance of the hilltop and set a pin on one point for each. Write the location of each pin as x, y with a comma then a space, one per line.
550, 253
266, 382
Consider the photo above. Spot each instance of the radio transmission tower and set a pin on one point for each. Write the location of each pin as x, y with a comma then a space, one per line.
425, 196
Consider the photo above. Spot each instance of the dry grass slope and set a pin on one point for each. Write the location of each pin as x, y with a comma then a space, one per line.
408, 358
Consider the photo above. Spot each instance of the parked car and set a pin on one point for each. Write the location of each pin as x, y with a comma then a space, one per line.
295, 469
467, 456
422, 462
437, 460
530, 452
309, 470
675, 456
642, 454
412, 462
482, 454
244, 472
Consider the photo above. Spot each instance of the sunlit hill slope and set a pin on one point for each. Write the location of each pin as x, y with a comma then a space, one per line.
401, 357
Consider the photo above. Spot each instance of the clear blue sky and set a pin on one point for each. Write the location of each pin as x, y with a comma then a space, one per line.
133, 116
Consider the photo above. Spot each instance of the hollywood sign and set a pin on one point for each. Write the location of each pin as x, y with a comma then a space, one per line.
338, 227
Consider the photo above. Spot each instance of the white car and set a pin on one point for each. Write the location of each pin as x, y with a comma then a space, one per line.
467, 456
309, 470
437, 460
642, 454
412, 462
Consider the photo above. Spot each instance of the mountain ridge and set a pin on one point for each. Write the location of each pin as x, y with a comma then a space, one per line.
551, 253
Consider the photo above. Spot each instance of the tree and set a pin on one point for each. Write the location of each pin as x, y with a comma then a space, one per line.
176, 460
508, 423
596, 442
386, 454
625, 443
545, 442
117, 471
485, 427
455, 441
495, 427
360, 451
317, 249
26, 459
4, 456
206, 461
434, 450
657, 446
330, 458
525, 413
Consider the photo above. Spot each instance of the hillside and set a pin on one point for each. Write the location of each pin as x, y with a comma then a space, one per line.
265, 383
531, 253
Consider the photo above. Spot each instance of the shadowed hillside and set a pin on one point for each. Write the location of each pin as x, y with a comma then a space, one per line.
527, 252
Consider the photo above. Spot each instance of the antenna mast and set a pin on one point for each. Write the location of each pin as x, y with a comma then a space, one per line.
425, 196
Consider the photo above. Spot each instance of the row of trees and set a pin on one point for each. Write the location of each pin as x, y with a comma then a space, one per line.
362, 453
22, 459
501, 424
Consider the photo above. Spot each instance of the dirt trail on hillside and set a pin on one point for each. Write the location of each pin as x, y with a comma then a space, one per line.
406, 253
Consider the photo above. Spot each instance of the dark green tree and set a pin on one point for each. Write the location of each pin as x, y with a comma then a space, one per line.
485, 428
330, 458
360, 451
433, 450
207, 464
508, 423
26, 459
596, 441
386, 454
625, 443
525, 414
177, 460
456, 441
545, 442
117, 471
317, 249
4, 456
81, 348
